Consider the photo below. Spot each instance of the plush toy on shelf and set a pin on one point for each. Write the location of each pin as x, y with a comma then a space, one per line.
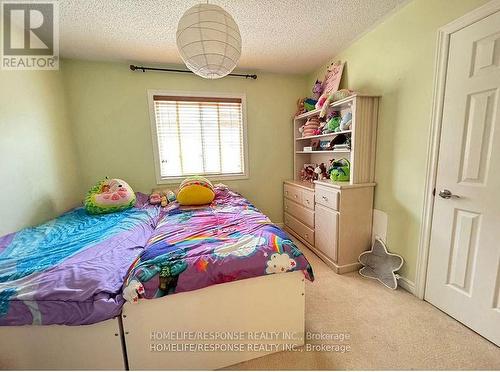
304, 105
335, 96
319, 130
341, 170
317, 90
333, 123
345, 123
307, 173
320, 171
331, 167
300, 107
310, 127
308, 104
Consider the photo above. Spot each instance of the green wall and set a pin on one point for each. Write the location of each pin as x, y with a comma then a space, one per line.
38, 166
48, 161
396, 60
110, 115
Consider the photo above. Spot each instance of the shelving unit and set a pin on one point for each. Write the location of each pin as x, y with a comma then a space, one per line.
364, 110
334, 219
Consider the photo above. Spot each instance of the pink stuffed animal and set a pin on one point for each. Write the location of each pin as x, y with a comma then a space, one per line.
310, 127
155, 198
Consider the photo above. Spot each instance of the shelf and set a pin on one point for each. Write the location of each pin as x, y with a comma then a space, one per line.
339, 103
308, 114
334, 134
323, 152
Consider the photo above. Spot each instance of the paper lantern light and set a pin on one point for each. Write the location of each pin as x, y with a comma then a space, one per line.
209, 41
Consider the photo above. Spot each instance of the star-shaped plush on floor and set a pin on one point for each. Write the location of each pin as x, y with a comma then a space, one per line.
381, 265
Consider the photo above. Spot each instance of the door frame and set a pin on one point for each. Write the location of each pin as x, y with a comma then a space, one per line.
440, 70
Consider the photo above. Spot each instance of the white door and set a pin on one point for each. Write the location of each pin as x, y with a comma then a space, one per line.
463, 277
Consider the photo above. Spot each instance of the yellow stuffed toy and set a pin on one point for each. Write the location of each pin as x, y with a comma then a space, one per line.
195, 190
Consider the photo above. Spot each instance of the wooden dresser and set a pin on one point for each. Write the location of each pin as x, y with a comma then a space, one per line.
298, 205
334, 219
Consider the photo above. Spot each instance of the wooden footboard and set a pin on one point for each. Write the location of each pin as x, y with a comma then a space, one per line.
190, 330
96, 346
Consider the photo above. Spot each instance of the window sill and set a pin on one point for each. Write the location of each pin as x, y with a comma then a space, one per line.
221, 178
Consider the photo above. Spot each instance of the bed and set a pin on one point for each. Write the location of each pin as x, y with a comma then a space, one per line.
213, 268
148, 253
67, 272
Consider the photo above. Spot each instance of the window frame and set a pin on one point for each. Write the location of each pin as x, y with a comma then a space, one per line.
156, 153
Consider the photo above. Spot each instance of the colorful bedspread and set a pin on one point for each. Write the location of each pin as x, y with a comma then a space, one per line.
198, 247
71, 270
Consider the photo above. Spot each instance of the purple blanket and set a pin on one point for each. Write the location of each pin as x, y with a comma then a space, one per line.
193, 248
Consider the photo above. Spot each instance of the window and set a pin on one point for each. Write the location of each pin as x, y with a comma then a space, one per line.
198, 135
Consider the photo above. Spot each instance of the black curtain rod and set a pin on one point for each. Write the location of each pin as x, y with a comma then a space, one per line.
144, 69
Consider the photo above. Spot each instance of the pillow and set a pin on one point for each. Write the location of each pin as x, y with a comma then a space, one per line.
195, 190
109, 195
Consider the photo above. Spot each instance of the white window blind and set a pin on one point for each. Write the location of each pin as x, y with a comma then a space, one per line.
199, 136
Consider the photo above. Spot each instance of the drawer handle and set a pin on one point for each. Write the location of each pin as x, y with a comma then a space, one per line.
295, 196
325, 198
306, 235
286, 192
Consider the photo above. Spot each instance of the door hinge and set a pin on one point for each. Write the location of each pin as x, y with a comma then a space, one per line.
434, 191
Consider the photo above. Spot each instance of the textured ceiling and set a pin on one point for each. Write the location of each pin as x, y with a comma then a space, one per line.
292, 36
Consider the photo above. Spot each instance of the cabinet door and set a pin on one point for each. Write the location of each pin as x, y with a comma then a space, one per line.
326, 231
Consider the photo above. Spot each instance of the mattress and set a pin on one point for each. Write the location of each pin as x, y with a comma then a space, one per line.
71, 269
193, 248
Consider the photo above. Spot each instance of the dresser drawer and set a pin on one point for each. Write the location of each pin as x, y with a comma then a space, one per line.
327, 197
299, 212
293, 193
308, 199
300, 229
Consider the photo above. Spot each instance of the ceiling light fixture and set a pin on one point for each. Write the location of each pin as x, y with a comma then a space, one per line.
209, 41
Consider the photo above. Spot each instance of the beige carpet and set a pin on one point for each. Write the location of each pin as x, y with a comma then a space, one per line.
389, 330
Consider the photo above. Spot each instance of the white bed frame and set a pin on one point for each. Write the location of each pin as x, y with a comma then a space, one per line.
96, 346
272, 303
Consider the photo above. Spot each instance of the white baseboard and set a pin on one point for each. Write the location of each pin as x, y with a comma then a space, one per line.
407, 284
